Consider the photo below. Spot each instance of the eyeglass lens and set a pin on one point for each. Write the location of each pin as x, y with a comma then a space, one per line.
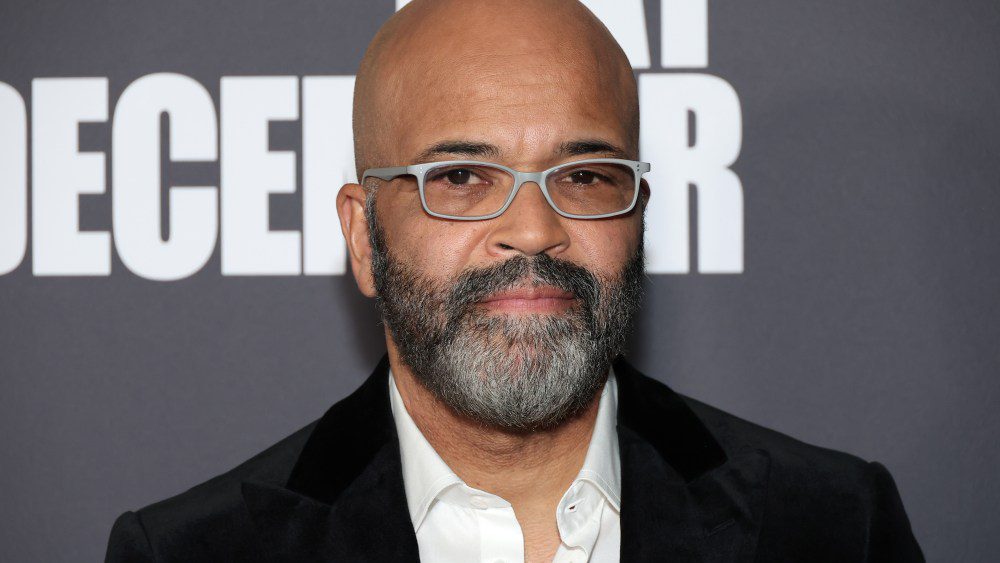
474, 190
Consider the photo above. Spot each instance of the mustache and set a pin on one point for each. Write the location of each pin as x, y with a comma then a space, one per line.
477, 284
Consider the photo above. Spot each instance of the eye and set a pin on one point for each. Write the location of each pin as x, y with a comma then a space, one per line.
583, 177
459, 176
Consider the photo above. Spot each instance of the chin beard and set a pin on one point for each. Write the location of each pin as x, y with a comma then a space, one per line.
514, 372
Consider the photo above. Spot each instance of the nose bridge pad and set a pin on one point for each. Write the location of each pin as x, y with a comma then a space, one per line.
533, 178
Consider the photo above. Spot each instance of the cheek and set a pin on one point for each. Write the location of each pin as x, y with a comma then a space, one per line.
441, 250
436, 249
605, 246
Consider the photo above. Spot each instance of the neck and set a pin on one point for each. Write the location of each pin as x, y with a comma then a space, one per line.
531, 470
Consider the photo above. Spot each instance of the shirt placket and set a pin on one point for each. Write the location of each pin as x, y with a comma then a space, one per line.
578, 518
500, 537
501, 540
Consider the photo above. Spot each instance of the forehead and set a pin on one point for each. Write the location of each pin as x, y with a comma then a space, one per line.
526, 98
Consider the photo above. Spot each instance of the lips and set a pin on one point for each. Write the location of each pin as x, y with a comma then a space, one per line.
530, 299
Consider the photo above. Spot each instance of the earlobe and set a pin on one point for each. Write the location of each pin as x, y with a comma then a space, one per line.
354, 224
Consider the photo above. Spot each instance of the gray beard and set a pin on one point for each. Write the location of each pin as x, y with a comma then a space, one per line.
516, 373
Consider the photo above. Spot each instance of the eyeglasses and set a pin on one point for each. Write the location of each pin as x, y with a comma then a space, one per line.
468, 190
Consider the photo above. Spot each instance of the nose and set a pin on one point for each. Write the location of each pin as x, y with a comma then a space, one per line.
529, 226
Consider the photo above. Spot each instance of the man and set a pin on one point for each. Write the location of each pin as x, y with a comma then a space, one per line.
499, 224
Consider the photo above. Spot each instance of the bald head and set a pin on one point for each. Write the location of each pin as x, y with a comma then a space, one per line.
504, 58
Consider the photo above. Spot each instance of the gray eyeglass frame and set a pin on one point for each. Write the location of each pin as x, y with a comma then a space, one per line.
419, 171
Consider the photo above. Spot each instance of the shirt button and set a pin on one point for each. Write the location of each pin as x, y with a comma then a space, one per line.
479, 502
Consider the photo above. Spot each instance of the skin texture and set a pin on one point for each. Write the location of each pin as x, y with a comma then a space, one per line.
528, 79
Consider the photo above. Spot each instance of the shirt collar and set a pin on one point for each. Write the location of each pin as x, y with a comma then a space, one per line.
426, 476
602, 465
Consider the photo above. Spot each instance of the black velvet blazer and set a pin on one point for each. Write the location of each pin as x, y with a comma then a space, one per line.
698, 484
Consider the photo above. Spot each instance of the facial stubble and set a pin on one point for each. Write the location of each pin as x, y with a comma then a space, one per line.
518, 373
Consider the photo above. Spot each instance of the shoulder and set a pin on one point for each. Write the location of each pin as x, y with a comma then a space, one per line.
270, 466
826, 496
223, 519
737, 434
216, 506
818, 503
666, 414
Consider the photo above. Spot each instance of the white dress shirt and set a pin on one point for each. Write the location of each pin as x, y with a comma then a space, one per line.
457, 523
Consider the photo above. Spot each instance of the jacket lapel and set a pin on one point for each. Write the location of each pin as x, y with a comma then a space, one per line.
344, 500
683, 497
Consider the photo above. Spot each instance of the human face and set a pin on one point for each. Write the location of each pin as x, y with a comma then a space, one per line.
528, 105
529, 110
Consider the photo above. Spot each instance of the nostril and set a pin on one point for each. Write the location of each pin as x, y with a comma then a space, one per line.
506, 246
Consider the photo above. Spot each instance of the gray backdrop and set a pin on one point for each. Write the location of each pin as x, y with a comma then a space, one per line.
865, 318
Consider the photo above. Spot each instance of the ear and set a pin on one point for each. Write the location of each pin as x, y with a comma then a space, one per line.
351, 209
643, 192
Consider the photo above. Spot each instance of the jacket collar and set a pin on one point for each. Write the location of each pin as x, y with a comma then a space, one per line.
683, 496
681, 493
660, 417
346, 439
344, 499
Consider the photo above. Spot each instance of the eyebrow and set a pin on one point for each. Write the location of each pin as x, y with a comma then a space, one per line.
473, 149
592, 146
469, 149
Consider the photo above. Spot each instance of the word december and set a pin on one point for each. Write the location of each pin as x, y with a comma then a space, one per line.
691, 132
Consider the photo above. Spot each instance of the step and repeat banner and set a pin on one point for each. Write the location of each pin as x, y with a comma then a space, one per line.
822, 244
